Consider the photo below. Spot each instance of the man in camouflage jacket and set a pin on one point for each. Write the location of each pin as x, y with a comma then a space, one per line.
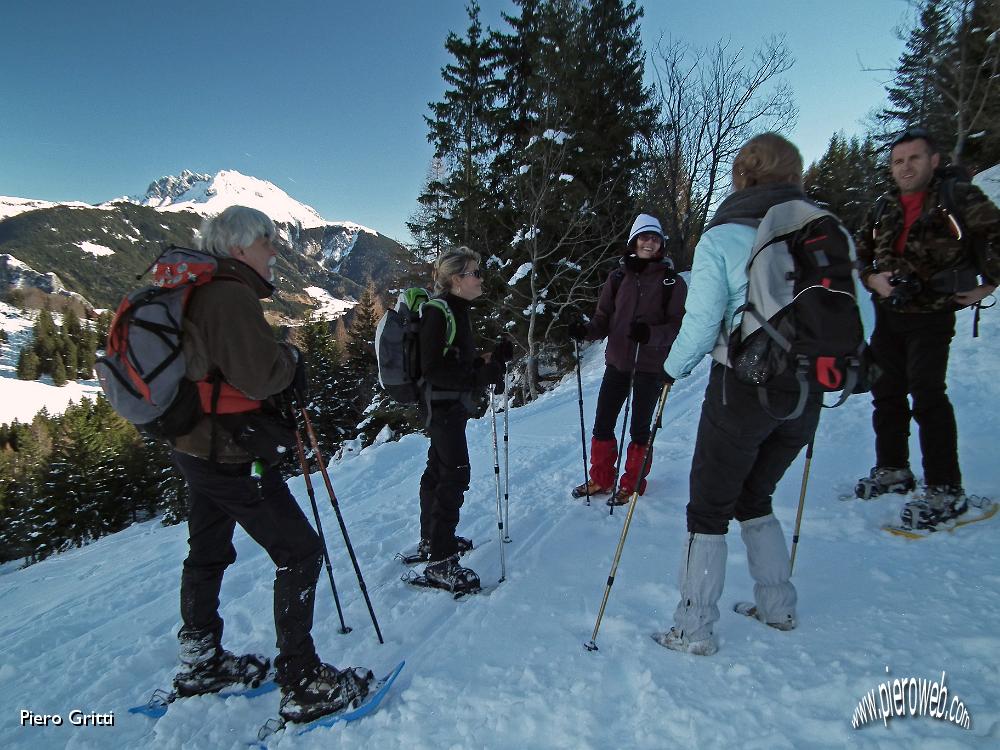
910, 245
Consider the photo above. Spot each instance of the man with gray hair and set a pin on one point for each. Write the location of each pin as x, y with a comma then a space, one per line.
240, 371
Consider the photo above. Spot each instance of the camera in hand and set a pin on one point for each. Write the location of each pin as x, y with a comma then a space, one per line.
904, 288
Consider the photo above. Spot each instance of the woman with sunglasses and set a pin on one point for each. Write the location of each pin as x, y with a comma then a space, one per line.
639, 311
456, 377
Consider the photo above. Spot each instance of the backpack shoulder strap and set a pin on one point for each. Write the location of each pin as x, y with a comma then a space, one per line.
451, 327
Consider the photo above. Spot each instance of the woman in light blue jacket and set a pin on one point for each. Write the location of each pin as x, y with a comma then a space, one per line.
741, 450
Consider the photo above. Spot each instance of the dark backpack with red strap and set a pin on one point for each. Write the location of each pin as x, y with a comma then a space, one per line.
142, 372
801, 328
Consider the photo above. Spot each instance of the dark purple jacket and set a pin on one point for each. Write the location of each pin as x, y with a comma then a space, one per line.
639, 298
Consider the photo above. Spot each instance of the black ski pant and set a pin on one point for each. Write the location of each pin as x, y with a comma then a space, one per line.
222, 495
912, 350
446, 478
742, 452
614, 390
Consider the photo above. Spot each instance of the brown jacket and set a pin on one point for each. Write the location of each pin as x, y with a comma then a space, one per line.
932, 244
638, 297
225, 331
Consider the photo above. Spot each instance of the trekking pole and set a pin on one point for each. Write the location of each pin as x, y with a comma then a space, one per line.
340, 517
496, 474
506, 460
344, 629
802, 501
592, 645
583, 430
621, 443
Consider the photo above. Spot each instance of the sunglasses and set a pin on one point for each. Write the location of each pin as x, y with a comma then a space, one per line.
477, 273
912, 134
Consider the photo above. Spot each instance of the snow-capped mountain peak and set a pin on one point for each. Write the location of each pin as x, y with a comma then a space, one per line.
211, 194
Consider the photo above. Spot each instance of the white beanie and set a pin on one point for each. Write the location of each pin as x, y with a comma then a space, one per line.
645, 223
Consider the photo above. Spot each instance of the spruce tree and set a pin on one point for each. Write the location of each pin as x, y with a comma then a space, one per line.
28, 365
46, 342
971, 83
430, 223
846, 179
58, 370
87, 355
461, 129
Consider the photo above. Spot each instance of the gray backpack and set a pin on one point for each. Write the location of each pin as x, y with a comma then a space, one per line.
801, 328
397, 340
142, 370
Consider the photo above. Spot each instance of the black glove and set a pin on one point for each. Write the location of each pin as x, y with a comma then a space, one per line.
577, 330
300, 381
503, 352
639, 332
670, 380
486, 374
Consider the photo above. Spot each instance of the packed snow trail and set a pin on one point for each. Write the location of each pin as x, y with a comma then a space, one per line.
94, 629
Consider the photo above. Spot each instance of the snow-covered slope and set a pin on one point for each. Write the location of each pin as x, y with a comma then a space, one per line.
210, 194
11, 206
94, 629
22, 399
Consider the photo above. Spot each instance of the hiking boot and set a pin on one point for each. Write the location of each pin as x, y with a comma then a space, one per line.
621, 497
450, 576
750, 610
883, 479
462, 544
675, 641
940, 504
595, 489
220, 671
325, 691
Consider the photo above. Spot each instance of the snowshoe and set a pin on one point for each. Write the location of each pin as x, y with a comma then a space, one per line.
749, 609
423, 553
595, 489
621, 497
450, 576
327, 690
883, 479
675, 641
940, 505
220, 671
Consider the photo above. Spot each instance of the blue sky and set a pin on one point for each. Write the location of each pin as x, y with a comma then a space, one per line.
326, 99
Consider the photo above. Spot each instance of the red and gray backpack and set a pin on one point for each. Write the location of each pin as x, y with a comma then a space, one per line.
143, 368
801, 327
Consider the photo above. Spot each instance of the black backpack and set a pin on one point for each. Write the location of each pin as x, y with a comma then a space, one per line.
801, 326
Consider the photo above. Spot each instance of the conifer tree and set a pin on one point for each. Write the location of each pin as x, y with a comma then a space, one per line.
28, 365
430, 222
46, 342
846, 179
461, 129
58, 370
87, 354
915, 97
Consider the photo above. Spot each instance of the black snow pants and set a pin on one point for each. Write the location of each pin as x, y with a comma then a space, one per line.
912, 350
741, 452
614, 390
446, 478
222, 495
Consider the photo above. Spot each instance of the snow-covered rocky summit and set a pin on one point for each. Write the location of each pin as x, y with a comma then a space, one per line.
210, 194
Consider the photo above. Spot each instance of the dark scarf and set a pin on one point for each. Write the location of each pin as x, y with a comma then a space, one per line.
749, 205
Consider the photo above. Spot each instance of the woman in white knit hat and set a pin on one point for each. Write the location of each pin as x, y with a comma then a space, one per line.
639, 311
